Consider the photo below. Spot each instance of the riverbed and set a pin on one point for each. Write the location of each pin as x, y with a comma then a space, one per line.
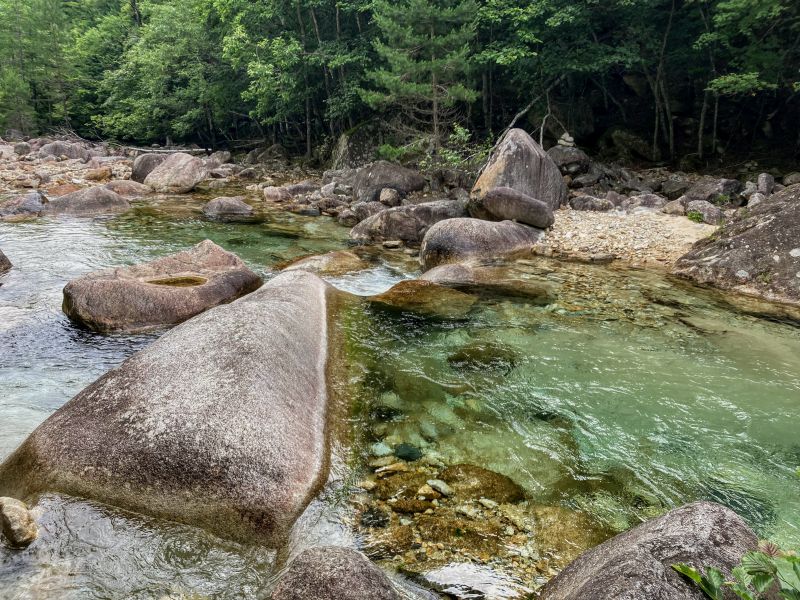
629, 394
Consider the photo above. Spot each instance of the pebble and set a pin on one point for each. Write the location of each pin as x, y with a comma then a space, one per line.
440, 486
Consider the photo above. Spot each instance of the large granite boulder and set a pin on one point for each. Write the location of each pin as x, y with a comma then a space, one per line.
507, 204
521, 164
371, 179
711, 189
462, 240
144, 164
30, 204
87, 202
5, 264
228, 208
69, 149
178, 174
166, 291
333, 573
407, 223
220, 423
637, 564
757, 254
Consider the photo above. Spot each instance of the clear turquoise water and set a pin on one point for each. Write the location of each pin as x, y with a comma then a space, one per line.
631, 394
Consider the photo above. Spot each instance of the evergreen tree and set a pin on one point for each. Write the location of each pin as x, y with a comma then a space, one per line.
425, 47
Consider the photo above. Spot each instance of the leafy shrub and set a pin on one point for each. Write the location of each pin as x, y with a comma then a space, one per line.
695, 216
760, 571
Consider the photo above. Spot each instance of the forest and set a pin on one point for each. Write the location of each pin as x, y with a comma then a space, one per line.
692, 80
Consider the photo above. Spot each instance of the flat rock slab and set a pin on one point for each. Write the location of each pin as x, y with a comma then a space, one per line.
637, 563
332, 573
756, 254
463, 240
220, 423
87, 202
426, 298
337, 262
166, 291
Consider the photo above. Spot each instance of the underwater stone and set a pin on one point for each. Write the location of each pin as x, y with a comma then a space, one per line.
408, 452
472, 482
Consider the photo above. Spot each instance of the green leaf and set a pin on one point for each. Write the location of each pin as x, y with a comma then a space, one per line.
688, 571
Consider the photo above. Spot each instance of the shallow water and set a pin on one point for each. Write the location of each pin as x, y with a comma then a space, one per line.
629, 395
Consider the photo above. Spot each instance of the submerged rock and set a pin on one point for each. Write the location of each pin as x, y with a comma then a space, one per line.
5, 264
637, 563
334, 263
220, 423
166, 291
492, 280
144, 164
758, 254
17, 523
521, 164
480, 356
472, 482
460, 240
506, 204
333, 573
228, 209
178, 174
426, 298
405, 223
469, 581
87, 202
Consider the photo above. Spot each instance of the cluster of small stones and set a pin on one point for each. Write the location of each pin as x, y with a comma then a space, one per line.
415, 521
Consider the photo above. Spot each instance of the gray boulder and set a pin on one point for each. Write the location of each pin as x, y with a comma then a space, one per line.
407, 223
461, 240
711, 214
128, 187
22, 148
507, 204
569, 159
87, 202
228, 208
220, 423
68, 149
31, 204
757, 255
178, 174
645, 200
521, 164
356, 147
371, 179
144, 164
766, 184
166, 291
217, 159
791, 179
711, 189
16, 523
584, 202
637, 564
673, 188
364, 210
333, 573
5, 264
674, 207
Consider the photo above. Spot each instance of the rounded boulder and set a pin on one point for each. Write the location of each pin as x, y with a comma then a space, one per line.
87, 202
179, 173
507, 204
166, 291
228, 208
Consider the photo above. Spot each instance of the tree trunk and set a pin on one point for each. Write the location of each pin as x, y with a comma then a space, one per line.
702, 127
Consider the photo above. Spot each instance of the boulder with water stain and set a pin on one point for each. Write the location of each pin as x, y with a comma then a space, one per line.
144, 164
407, 223
16, 522
337, 262
507, 204
491, 280
221, 423
333, 573
521, 164
638, 563
163, 292
465, 240
425, 298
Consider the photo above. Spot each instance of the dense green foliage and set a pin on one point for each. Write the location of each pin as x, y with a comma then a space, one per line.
766, 573
690, 77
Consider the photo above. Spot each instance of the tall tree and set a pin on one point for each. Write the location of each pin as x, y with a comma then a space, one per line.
425, 48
